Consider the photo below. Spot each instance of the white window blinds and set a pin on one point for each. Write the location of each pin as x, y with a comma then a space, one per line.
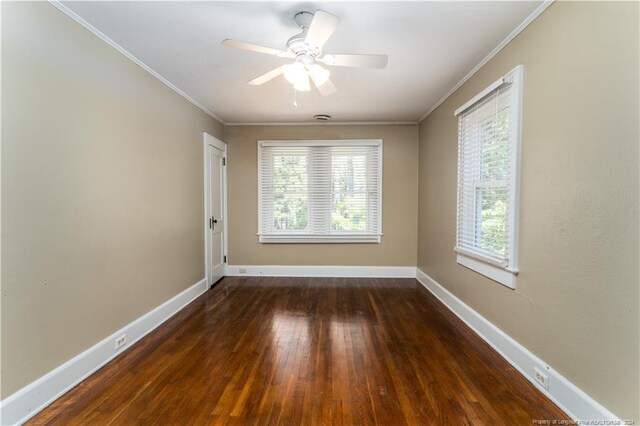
320, 191
488, 133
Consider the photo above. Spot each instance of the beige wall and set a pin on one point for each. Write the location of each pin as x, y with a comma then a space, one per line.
399, 215
101, 191
576, 302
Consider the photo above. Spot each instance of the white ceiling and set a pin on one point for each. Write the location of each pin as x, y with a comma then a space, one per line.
431, 47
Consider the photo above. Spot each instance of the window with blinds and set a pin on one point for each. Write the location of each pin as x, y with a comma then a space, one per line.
320, 191
488, 150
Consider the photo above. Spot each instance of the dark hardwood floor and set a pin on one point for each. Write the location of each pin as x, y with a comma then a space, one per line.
304, 351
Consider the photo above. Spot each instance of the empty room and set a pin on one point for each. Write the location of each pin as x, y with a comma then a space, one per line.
320, 213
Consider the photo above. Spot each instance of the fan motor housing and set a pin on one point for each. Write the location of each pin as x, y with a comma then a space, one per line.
297, 44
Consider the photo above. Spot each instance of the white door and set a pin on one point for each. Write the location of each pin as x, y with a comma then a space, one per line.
216, 163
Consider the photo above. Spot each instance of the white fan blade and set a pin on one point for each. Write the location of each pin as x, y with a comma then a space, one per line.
321, 28
327, 88
255, 48
359, 61
266, 77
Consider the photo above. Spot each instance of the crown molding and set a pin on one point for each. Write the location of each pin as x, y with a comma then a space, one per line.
71, 14
337, 123
524, 24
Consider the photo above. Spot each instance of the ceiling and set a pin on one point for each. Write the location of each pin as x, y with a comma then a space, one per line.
431, 47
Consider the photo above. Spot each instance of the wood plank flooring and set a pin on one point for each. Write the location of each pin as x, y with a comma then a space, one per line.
307, 351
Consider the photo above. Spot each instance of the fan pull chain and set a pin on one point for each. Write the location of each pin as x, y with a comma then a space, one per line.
295, 98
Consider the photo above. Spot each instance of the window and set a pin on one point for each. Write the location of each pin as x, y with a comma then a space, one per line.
320, 191
488, 151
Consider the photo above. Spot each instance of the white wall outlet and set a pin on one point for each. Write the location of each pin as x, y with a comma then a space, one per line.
120, 341
541, 377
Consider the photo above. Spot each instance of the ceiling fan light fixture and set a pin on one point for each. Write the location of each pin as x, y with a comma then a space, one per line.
306, 48
302, 85
318, 74
296, 74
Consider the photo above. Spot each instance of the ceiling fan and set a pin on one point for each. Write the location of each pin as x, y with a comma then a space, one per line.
306, 49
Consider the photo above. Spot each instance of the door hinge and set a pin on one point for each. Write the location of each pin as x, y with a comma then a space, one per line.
210, 223
224, 161
225, 259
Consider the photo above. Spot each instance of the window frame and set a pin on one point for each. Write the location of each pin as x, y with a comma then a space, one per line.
501, 272
338, 237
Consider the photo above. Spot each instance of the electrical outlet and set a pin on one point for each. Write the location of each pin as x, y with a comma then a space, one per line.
541, 377
120, 341
242, 270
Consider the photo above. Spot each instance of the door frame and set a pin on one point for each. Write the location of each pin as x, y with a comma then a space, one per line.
208, 140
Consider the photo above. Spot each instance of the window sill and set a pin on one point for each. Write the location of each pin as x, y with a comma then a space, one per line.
496, 273
319, 239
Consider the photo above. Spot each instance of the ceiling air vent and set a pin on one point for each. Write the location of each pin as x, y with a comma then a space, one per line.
322, 117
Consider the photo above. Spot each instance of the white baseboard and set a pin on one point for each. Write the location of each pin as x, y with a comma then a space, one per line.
321, 271
25, 403
572, 400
